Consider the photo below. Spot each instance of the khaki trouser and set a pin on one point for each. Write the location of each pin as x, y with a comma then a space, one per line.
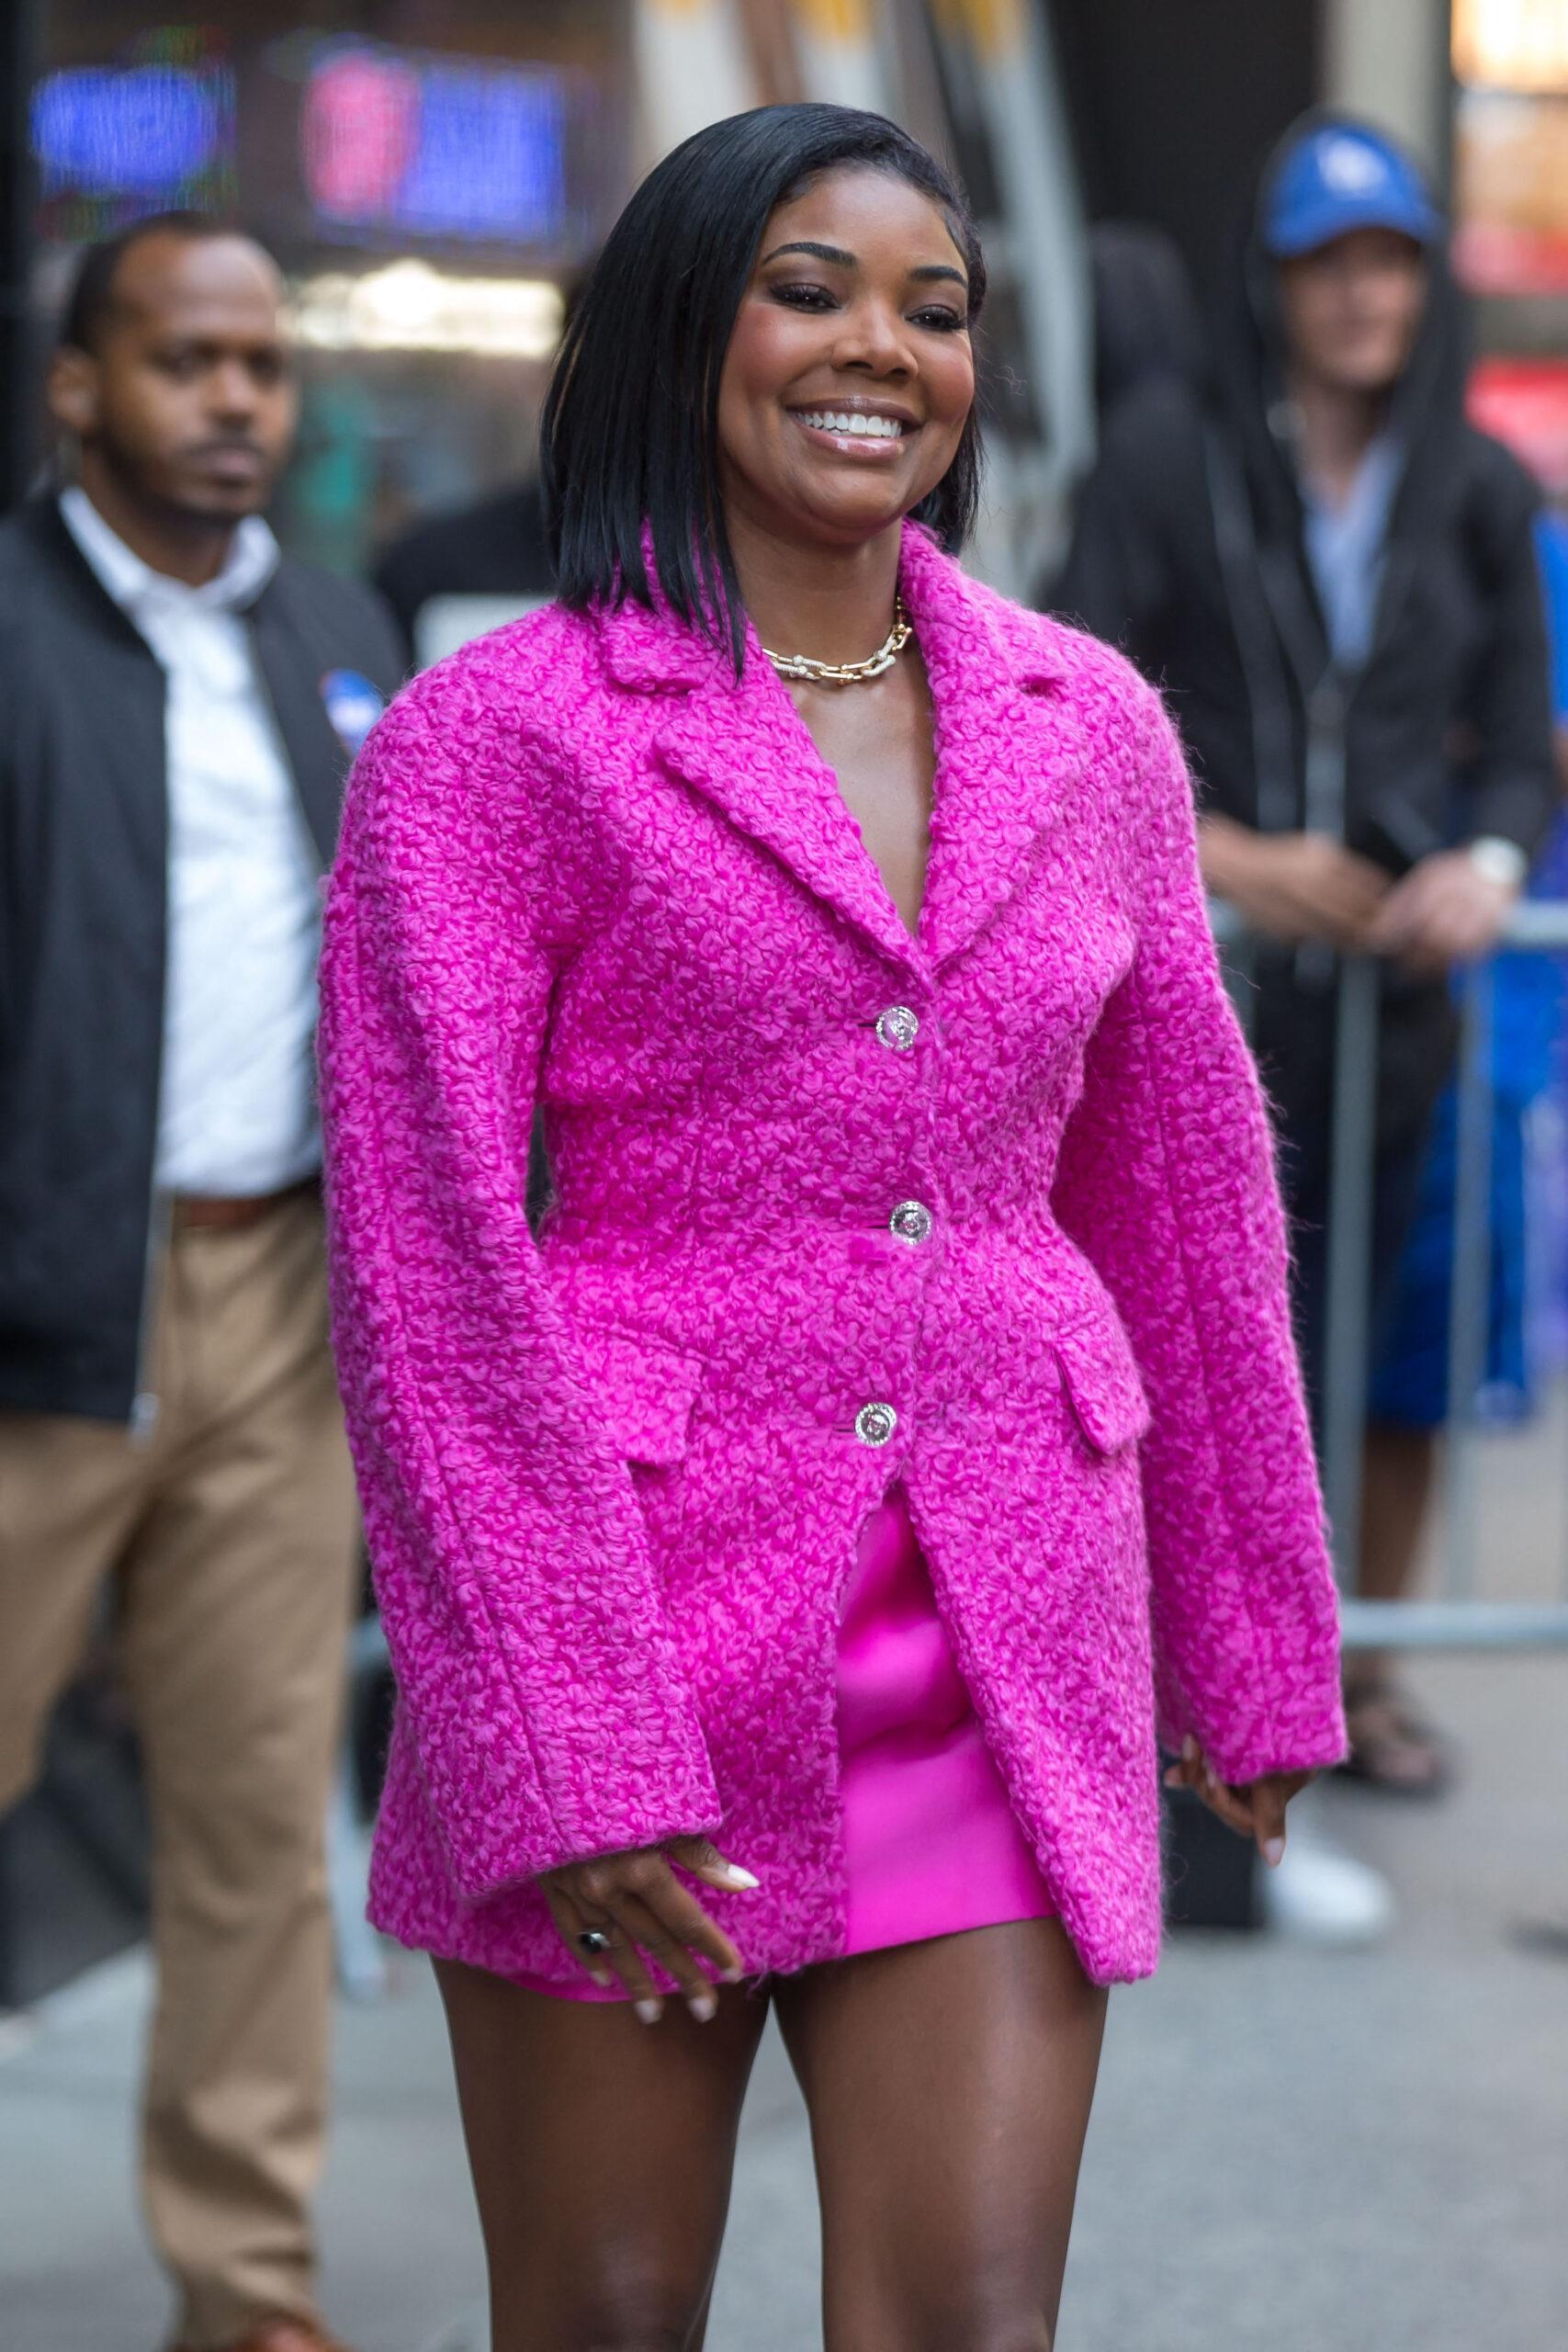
231, 1534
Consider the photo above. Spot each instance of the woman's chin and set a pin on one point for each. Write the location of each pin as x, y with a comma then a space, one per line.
846, 514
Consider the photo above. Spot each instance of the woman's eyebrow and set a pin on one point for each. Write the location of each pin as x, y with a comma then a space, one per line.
834, 253
842, 260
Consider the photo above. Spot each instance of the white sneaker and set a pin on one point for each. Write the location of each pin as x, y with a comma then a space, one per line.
1320, 1895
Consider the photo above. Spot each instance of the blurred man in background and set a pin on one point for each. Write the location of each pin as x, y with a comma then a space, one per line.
1332, 575
179, 708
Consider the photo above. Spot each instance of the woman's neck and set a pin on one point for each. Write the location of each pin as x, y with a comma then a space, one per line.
1338, 428
832, 604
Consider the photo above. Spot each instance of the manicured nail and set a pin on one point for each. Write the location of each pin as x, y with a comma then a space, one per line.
650, 2011
732, 1976
1273, 1851
1189, 1749
703, 2007
734, 1876
603, 1983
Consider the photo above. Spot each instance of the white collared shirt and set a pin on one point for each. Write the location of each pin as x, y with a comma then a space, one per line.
236, 1112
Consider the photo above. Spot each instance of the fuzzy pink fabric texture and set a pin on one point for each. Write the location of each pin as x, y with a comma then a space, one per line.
613, 1481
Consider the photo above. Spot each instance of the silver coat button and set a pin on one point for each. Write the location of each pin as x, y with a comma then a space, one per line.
875, 1424
912, 1221
898, 1027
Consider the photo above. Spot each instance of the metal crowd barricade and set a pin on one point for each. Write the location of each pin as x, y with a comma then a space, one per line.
1459, 1619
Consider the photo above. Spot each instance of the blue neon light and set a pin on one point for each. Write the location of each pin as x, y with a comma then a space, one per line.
488, 159
146, 131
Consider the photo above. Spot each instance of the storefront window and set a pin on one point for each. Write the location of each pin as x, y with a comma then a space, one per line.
1511, 220
431, 179
435, 174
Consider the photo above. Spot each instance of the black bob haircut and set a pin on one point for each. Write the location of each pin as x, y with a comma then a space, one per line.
90, 297
630, 430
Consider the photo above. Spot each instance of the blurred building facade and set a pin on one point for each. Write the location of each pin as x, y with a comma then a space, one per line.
433, 173
434, 176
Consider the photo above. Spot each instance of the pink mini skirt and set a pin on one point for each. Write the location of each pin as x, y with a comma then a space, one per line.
931, 1843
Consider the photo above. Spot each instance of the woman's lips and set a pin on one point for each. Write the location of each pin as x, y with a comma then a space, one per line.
855, 433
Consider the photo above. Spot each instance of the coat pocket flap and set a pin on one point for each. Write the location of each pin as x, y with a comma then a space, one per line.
644, 1390
1100, 1373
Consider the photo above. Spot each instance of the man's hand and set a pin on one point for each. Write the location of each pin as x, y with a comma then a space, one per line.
1293, 886
1445, 912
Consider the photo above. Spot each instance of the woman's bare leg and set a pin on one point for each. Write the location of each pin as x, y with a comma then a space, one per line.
602, 2151
948, 2085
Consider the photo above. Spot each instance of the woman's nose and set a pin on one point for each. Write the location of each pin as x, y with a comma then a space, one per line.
871, 337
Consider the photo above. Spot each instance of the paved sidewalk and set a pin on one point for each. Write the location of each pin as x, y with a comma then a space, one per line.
1289, 2150
1292, 2151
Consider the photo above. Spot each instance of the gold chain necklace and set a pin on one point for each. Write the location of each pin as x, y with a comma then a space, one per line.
848, 673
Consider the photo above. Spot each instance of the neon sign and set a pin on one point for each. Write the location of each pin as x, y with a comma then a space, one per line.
147, 131
434, 147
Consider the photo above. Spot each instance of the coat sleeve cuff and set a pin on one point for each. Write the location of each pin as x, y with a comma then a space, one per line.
489, 1856
1314, 1749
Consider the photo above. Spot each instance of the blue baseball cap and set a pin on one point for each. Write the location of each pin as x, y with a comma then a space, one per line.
1339, 178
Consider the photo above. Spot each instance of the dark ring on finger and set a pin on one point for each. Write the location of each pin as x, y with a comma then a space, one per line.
594, 1941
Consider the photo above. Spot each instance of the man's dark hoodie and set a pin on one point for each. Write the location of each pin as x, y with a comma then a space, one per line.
1190, 552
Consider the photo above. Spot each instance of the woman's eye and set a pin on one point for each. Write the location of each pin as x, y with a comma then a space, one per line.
937, 318
804, 298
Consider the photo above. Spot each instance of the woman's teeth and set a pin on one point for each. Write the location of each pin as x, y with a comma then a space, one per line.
856, 421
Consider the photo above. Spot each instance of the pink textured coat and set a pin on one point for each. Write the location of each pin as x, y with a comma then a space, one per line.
612, 1483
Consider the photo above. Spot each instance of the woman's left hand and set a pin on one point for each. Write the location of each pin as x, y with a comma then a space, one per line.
1255, 1810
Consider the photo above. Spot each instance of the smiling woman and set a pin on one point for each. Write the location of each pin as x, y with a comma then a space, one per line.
848, 384
844, 920
718, 284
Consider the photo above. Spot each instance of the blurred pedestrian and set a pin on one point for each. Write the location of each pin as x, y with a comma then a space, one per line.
1333, 574
896, 1202
1147, 325
180, 706
455, 575
1410, 1400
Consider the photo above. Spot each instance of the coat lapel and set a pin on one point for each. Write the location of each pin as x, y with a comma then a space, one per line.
742, 744
1004, 759
999, 755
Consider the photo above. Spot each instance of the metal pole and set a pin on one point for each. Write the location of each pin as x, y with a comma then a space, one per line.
18, 30
1352, 1169
361, 1962
1537, 925
1440, 1625
10, 1960
1470, 1294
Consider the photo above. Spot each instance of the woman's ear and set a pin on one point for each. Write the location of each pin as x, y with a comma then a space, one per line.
72, 391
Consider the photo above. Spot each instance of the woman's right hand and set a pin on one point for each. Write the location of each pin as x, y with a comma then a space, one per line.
636, 1900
